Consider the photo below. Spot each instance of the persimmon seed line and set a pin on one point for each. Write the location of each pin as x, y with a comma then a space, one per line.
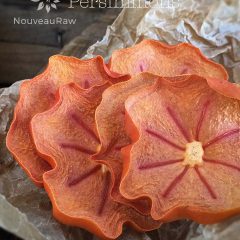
223, 163
86, 84
201, 119
162, 138
174, 182
141, 68
178, 124
221, 137
80, 123
84, 176
159, 164
205, 183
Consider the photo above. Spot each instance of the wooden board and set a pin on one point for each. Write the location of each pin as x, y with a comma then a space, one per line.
25, 49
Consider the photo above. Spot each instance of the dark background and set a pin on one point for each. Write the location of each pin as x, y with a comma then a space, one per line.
25, 49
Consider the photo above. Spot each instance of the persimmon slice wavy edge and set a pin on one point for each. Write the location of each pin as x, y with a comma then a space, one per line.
165, 60
38, 95
160, 59
78, 187
186, 140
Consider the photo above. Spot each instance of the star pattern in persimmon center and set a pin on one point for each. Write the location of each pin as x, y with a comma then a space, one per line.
193, 152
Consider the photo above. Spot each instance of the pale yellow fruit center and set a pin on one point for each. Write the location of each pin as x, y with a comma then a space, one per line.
193, 154
104, 169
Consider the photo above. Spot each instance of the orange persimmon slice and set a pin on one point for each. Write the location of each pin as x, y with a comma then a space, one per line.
164, 60
79, 187
110, 112
38, 95
110, 115
185, 154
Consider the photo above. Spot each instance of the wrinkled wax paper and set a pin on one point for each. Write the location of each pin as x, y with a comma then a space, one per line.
211, 25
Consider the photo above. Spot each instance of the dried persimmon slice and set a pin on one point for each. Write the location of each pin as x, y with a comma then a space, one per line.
110, 115
111, 126
185, 156
164, 60
38, 95
79, 188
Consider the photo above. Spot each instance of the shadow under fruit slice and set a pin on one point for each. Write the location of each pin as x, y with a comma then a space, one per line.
185, 154
80, 188
164, 60
38, 95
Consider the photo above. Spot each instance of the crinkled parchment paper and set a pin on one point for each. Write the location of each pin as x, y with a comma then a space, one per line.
211, 25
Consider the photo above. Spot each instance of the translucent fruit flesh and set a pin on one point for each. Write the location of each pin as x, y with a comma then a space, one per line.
185, 155
79, 187
38, 95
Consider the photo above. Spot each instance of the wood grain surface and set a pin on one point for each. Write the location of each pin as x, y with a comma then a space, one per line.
25, 49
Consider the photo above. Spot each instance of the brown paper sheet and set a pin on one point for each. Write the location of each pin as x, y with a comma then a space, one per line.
211, 25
